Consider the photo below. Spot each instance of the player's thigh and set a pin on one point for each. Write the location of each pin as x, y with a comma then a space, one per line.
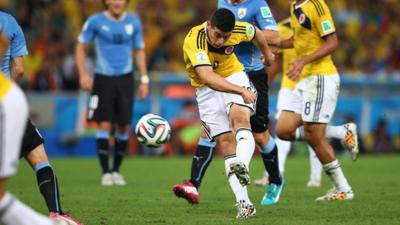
320, 95
260, 120
287, 124
101, 102
212, 112
13, 116
124, 99
31, 139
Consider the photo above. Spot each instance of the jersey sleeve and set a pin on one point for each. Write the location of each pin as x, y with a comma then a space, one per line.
195, 51
323, 19
244, 31
17, 42
264, 17
88, 31
138, 41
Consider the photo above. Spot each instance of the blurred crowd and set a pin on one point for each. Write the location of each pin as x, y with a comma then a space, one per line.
367, 30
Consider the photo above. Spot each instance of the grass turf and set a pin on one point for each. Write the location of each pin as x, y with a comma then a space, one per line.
148, 197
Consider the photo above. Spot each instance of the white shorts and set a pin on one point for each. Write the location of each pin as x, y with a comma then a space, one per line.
315, 98
214, 106
13, 117
284, 99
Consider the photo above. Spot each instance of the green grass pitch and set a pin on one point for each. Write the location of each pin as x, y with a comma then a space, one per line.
148, 197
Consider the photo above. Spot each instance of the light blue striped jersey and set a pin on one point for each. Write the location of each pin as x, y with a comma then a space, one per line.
13, 32
258, 13
114, 41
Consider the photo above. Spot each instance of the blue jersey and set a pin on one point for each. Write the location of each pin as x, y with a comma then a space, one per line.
14, 33
256, 12
113, 41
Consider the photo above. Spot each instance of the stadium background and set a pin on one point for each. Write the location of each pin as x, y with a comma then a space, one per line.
368, 59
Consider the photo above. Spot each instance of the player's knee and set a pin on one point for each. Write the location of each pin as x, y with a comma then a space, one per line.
240, 121
313, 137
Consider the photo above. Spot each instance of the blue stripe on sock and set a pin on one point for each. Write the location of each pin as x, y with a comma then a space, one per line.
121, 136
269, 147
206, 142
210, 153
41, 166
103, 134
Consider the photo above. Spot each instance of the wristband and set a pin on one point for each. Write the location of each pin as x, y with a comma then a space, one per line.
144, 79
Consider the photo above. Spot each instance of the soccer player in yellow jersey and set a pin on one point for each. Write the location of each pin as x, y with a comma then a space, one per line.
314, 97
13, 118
224, 93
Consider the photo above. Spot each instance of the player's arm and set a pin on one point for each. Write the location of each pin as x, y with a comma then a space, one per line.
274, 69
17, 68
140, 59
261, 43
216, 82
85, 80
86, 36
288, 43
4, 43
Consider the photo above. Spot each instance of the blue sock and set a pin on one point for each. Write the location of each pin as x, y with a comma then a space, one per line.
269, 154
201, 160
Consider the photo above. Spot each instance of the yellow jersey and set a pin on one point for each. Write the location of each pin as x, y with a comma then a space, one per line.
288, 54
5, 85
198, 52
311, 21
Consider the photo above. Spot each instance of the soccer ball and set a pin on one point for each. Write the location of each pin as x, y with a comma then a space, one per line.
153, 130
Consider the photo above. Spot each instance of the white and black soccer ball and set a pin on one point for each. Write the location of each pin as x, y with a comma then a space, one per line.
153, 130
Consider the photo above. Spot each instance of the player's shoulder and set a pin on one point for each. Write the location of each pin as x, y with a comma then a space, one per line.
96, 17
7, 18
132, 16
285, 22
319, 6
196, 35
242, 27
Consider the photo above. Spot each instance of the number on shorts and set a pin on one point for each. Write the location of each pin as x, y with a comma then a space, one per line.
307, 109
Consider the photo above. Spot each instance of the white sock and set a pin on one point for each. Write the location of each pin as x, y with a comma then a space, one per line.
283, 152
338, 132
245, 145
315, 166
300, 133
15, 212
239, 191
336, 175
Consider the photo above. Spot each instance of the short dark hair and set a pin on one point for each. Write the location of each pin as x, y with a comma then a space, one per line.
223, 19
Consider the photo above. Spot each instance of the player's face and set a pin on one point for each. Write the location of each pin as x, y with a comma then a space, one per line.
217, 38
116, 7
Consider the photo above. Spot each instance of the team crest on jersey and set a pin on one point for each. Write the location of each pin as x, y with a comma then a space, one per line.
229, 50
302, 18
129, 29
242, 12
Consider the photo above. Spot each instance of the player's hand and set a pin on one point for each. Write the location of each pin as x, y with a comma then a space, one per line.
296, 68
143, 90
86, 82
248, 96
268, 61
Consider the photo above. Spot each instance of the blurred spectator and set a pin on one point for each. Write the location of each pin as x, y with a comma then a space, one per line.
368, 32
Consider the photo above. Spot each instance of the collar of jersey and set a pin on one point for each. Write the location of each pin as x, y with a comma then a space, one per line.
114, 20
205, 31
301, 4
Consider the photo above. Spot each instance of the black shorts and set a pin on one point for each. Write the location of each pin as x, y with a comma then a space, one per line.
112, 99
31, 139
259, 121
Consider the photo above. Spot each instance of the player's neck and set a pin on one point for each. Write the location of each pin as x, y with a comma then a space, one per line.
233, 2
114, 16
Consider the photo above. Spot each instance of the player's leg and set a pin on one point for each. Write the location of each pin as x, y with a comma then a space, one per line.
101, 107
234, 168
319, 101
120, 147
13, 117
315, 169
122, 117
200, 162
